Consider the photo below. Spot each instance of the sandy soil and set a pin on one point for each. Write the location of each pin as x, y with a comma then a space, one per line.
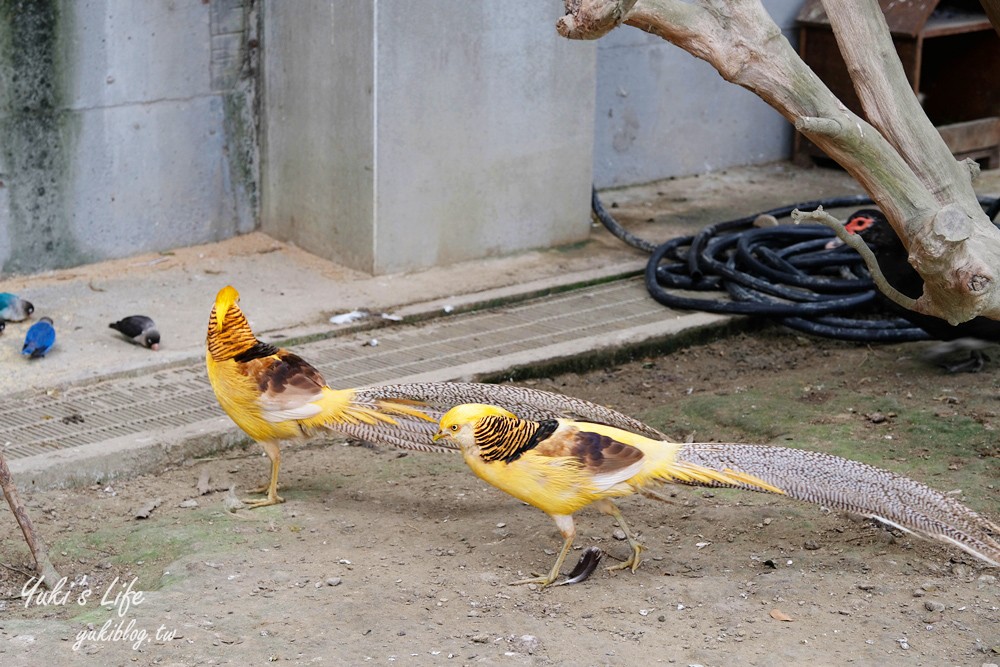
381, 557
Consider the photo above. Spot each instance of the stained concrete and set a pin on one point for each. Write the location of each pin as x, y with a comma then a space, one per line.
122, 129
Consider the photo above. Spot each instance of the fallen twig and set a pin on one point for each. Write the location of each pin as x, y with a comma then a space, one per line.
38, 551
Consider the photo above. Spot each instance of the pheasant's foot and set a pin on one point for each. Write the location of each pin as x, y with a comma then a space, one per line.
262, 488
632, 562
540, 581
274, 499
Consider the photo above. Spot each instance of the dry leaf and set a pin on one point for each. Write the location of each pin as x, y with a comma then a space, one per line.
779, 615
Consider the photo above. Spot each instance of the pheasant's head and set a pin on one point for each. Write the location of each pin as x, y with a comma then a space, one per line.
460, 423
229, 334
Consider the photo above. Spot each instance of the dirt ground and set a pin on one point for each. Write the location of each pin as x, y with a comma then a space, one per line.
382, 557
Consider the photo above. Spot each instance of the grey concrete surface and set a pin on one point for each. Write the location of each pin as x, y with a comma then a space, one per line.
401, 135
663, 113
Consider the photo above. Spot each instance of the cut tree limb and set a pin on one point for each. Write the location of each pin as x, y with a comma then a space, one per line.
898, 158
38, 551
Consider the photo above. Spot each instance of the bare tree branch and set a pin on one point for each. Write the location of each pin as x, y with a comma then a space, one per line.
903, 164
38, 551
591, 19
858, 244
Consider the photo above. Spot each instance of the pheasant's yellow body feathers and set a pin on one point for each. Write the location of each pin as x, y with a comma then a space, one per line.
275, 395
561, 466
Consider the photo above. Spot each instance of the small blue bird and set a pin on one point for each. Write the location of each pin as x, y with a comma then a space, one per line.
40, 338
14, 308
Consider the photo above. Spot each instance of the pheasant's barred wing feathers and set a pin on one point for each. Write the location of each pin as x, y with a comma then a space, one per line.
290, 387
608, 460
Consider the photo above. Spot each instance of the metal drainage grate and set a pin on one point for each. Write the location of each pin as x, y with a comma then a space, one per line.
178, 397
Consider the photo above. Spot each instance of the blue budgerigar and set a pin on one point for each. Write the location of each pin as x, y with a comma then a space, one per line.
14, 308
40, 338
139, 329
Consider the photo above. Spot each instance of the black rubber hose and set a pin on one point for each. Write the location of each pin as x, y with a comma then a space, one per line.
785, 272
612, 225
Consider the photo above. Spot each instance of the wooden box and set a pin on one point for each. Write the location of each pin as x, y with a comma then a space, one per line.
951, 55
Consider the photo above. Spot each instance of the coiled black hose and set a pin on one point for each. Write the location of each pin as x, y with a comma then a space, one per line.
783, 272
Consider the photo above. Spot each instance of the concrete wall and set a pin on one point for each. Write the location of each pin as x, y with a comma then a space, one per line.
403, 134
398, 134
661, 112
123, 128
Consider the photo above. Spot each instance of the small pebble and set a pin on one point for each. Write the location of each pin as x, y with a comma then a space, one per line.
333, 581
619, 534
933, 605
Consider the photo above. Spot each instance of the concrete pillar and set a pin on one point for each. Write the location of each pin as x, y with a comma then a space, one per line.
400, 134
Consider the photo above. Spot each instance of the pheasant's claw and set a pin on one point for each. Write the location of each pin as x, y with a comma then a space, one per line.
632, 562
540, 581
263, 502
262, 488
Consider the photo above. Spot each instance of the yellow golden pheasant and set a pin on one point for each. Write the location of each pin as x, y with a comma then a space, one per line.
561, 466
275, 395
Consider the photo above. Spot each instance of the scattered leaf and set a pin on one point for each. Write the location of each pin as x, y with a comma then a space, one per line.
779, 615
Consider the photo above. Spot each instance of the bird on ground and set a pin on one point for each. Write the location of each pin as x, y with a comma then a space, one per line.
561, 466
139, 329
274, 395
893, 259
13, 308
40, 338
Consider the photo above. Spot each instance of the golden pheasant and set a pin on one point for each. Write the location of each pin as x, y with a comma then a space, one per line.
561, 466
275, 395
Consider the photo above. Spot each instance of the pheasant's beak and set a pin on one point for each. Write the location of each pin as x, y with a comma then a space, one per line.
437, 436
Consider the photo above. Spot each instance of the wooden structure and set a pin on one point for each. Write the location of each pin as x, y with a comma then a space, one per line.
951, 55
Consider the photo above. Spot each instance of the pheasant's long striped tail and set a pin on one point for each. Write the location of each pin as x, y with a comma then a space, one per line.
844, 484
525, 402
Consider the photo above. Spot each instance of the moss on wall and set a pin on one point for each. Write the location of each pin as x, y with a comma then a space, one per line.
36, 137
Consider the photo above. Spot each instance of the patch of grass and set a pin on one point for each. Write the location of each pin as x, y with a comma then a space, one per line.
944, 451
145, 547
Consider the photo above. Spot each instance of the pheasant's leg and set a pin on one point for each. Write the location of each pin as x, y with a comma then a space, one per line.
568, 530
607, 507
274, 453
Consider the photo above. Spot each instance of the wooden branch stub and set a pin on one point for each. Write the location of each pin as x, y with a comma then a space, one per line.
592, 19
973, 167
952, 224
859, 246
828, 127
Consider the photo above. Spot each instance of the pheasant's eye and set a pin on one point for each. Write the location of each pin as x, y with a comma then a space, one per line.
453, 427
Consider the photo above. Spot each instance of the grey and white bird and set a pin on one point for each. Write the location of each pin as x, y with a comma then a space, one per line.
140, 329
13, 308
